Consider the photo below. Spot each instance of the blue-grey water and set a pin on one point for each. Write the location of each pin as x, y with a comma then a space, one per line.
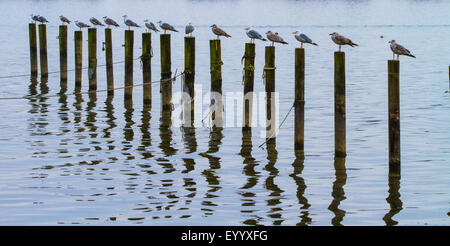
91, 160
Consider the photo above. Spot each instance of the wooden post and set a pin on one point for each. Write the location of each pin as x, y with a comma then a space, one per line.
166, 73
249, 77
129, 40
78, 57
109, 62
299, 128
448, 79
394, 115
339, 105
43, 49
92, 55
146, 59
63, 53
189, 75
33, 49
216, 82
269, 75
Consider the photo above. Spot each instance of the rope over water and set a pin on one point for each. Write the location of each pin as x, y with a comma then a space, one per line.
281, 124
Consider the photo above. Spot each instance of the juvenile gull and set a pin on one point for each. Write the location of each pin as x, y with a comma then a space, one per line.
252, 34
341, 40
166, 27
34, 17
129, 22
302, 38
150, 26
109, 21
219, 32
95, 22
42, 19
398, 50
274, 38
81, 24
64, 19
189, 29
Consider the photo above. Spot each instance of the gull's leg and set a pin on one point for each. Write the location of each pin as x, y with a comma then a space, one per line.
301, 45
393, 56
398, 57
339, 48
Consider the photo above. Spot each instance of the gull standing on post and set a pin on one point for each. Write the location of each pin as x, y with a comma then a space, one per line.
42, 19
95, 22
189, 29
274, 38
219, 32
302, 38
109, 21
64, 19
398, 50
129, 22
150, 26
166, 26
81, 24
35, 18
252, 34
341, 40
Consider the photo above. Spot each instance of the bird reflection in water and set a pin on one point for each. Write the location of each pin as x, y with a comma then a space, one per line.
338, 193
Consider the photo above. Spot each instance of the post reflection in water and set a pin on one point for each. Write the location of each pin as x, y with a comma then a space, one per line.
128, 133
274, 202
249, 162
393, 199
146, 139
215, 140
298, 166
110, 122
338, 193
91, 115
189, 184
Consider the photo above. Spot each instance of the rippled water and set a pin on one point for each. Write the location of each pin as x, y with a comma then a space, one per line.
93, 159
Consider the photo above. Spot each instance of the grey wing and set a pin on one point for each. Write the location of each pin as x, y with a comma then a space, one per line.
402, 50
189, 29
255, 34
305, 38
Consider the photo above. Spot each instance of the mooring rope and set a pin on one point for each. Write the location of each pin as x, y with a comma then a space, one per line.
55, 72
103, 90
281, 124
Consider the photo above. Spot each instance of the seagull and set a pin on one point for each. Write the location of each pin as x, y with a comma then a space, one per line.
34, 17
189, 29
166, 26
398, 50
252, 34
129, 22
274, 37
95, 22
81, 24
64, 19
219, 32
150, 26
341, 40
302, 38
109, 21
41, 19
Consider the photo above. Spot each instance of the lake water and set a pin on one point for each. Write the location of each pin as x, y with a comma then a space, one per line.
93, 160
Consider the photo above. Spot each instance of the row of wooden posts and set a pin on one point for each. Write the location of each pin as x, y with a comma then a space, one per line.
216, 81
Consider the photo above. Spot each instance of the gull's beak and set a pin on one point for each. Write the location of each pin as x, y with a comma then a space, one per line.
294, 32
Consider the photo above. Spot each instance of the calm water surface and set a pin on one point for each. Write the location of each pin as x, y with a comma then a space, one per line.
94, 160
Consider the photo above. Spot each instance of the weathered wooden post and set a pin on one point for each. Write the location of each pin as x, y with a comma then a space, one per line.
92, 55
43, 49
394, 115
63, 54
166, 73
33, 49
269, 75
109, 62
189, 75
129, 41
339, 105
299, 104
146, 59
249, 77
448, 79
78, 58
216, 82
